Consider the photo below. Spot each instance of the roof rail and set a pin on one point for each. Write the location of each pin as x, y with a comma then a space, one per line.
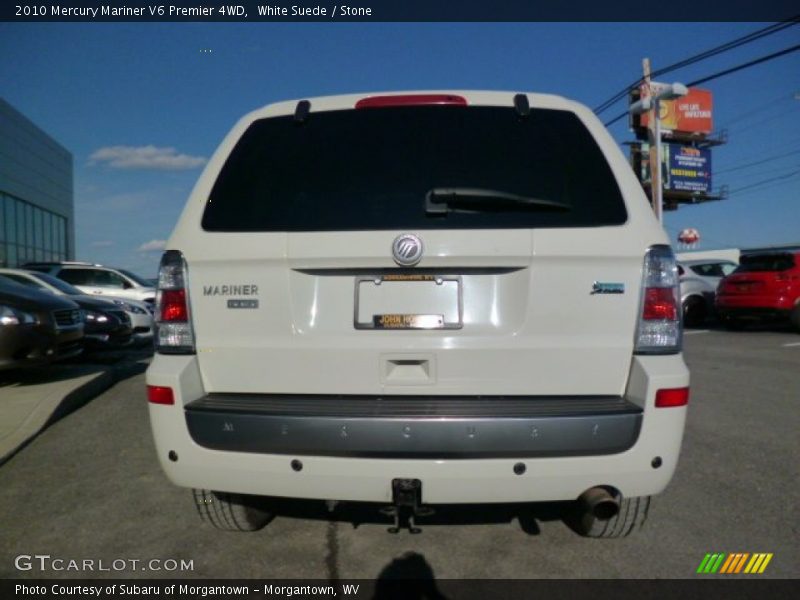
62, 262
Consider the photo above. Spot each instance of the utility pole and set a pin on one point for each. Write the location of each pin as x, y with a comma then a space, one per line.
654, 140
689, 125
651, 93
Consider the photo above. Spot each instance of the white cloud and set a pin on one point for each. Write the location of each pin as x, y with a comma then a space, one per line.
153, 246
102, 243
145, 157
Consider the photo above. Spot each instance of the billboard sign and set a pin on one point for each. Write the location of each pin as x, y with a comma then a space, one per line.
683, 169
689, 169
689, 114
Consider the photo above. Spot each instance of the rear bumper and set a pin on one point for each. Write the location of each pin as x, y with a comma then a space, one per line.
754, 304
755, 313
614, 442
414, 426
101, 341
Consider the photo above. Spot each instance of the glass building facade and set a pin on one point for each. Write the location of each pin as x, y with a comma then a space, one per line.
30, 233
36, 193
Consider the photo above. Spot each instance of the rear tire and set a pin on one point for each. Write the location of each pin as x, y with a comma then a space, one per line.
795, 317
631, 517
695, 311
232, 512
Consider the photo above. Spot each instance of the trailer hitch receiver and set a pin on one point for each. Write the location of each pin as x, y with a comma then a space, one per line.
406, 505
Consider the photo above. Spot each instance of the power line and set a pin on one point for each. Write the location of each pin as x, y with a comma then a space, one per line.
764, 182
746, 65
757, 61
751, 111
749, 175
761, 191
760, 122
746, 39
774, 28
758, 162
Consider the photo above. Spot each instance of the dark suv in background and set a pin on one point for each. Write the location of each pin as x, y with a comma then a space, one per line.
764, 286
36, 327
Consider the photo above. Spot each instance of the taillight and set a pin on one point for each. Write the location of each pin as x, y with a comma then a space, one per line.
659, 327
173, 306
672, 397
174, 333
411, 100
659, 303
157, 394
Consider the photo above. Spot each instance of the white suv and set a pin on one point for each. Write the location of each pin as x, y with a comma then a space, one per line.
100, 280
416, 299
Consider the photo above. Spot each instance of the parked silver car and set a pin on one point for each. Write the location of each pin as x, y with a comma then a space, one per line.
698, 281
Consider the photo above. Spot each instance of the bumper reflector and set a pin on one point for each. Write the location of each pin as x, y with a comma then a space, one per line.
157, 394
672, 397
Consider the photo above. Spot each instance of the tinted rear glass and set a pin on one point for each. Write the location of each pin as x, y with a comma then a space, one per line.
714, 269
371, 169
140, 280
77, 276
765, 262
59, 284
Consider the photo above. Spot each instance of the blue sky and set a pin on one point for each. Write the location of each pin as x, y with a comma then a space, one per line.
141, 106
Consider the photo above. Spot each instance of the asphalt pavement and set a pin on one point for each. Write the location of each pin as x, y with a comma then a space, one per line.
90, 487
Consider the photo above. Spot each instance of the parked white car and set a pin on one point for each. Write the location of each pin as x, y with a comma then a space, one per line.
419, 299
698, 284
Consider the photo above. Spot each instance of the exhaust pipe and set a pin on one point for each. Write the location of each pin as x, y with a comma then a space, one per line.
599, 503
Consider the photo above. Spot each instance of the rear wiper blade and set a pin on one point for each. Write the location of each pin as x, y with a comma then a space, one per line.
440, 201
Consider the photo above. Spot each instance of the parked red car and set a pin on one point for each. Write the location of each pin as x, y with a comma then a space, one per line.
764, 286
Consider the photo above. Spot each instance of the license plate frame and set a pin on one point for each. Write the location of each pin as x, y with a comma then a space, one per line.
408, 321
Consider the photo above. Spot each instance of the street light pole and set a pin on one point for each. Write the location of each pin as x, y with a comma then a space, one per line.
655, 175
651, 95
653, 139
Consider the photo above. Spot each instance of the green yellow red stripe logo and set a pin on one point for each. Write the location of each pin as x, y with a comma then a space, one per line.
733, 563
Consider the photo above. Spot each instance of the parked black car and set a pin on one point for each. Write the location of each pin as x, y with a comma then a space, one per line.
36, 327
106, 324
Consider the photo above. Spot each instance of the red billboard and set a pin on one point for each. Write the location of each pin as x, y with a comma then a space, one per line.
689, 114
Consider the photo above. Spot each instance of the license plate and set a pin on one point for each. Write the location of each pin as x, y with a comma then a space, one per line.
403, 301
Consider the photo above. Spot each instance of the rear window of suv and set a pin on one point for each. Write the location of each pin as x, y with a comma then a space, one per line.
765, 262
371, 169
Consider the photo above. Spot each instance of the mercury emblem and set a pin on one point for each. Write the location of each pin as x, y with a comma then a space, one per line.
407, 249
